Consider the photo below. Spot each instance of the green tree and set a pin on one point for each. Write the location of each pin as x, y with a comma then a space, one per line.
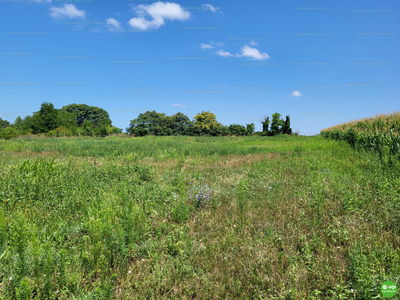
67, 120
18, 123
25, 125
88, 128
8, 133
4, 123
113, 130
49, 116
250, 128
265, 124
276, 124
207, 123
180, 124
45, 119
237, 130
150, 122
225, 130
286, 126
93, 114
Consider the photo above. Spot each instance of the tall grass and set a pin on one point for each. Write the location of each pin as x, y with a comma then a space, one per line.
380, 133
231, 218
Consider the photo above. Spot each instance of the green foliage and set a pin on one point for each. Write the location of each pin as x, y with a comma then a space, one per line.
207, 123
250, 128
3, 232
180, 124
286, 126
8, 133
380, 134
154, 123
4, 123
113, 130
18, 122
25, 125
238, 130
225, 130
265, 124
49, 117
98, 116
110, 219
67, 120
276, 125
25, 289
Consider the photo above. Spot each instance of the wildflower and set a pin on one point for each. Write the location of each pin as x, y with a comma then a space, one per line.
10, 278
129, 272
279, 238
224, 257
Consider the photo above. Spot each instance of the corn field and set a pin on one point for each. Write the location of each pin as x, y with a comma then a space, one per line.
380, 133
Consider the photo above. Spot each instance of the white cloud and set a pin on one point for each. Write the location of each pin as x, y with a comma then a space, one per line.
42, 1
253, 43
68, 10
158, 11
178, 105
210, 7
253, 53
206, 46
296, 94
113, 24
223, 53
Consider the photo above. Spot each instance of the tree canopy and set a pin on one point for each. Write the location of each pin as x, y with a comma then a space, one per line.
83, 112
4, 123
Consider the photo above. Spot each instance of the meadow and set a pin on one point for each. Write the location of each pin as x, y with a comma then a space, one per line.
283, 217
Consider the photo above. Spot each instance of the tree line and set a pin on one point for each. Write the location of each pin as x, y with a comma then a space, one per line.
82, 119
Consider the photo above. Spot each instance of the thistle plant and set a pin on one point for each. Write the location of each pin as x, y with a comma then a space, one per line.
199, 193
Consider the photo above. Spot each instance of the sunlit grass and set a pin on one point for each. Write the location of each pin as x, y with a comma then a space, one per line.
287, 217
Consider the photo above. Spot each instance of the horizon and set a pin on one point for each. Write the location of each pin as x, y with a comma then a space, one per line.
323, 65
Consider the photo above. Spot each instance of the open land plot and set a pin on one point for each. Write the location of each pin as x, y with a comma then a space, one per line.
286, 217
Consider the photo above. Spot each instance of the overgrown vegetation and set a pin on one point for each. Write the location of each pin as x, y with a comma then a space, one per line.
288, 217
70, 120
380, 133
85, 120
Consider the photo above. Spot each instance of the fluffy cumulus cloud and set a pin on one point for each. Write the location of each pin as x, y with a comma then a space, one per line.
113, 25
206, 46
223, 53
253, 43
158, 12
67, 10
178, 105
253, 53
296, 94
209, 7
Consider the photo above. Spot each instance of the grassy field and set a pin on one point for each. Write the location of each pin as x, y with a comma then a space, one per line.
285, 217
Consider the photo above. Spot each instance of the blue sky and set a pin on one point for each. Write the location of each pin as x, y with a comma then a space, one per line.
321, 62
